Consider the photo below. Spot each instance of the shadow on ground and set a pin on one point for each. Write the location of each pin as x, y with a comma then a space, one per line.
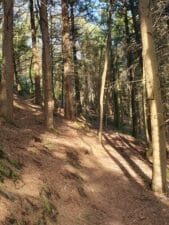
69, 179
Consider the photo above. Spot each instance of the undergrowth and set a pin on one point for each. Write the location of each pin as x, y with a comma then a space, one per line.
8, 167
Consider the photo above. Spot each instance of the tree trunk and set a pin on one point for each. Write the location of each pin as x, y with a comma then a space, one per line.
7, 80
46, 66
16, 78
131, 77
67, 60
30, 76
62, 79
35, 57
135, 24
75, 62
52, 55
154, 99
115, 94
106, 68
146, 121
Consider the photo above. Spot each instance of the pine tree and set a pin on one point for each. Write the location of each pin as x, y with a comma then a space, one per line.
67, 62
155, 106
46, 66
6, 86
35, 66
106, 67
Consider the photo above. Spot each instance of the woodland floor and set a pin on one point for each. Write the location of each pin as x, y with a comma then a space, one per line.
65, 177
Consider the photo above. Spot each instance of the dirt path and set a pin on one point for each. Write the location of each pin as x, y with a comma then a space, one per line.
68, 178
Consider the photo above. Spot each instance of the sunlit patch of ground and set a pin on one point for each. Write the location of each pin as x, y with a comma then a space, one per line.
68, 178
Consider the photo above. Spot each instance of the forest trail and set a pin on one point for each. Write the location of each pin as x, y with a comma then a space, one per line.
65, 177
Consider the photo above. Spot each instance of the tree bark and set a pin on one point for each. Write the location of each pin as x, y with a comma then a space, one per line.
46, 66
67, 61
30, 76
153, 98
35, 56
115, 92
146, 120
7, 79
75, 62
52, 55
131, 76
106, 68
16, 78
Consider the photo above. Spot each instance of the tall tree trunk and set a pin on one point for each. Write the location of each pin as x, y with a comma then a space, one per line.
115, 94
106, 68
67, 60
146, 120
52, 54
75, 62
135, 23
86, 90
35, 56
131, 76
62, 79
30, 76
6, 87
98, 82
46, 66
153, 98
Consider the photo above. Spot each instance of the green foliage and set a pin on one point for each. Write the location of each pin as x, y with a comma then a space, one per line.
25, 85
167, 173
8, 166
47, 206
22, 53
15, 163
7, 172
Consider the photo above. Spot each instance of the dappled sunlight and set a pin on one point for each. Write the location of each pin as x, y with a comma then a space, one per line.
137, 168
67, 171
83, 93
30, 183
19, 106
4, 209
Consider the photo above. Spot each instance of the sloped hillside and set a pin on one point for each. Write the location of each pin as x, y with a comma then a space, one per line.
65, 177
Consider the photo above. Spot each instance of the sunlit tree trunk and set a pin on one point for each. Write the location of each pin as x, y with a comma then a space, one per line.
153, 98
7, 79
30, 76
35, 67
106, 68
98, 85
67, 61
145, 117
46, 66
